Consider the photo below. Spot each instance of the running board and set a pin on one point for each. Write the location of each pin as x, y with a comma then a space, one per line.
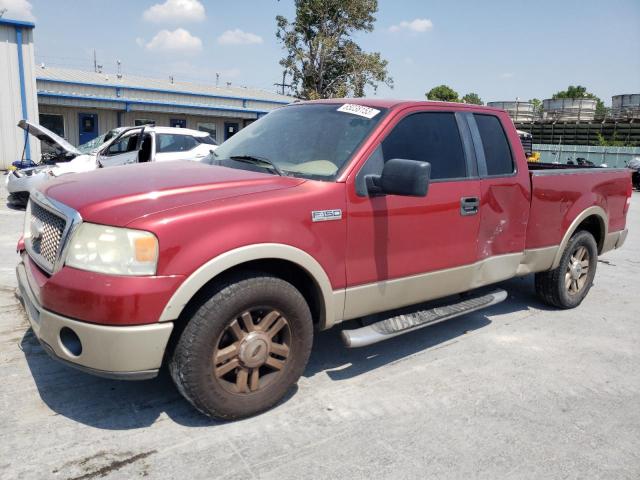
399, 324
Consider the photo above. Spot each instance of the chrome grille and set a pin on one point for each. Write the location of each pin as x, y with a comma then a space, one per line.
48, 225
46, 233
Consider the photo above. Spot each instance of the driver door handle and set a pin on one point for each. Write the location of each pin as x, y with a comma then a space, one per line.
469, 206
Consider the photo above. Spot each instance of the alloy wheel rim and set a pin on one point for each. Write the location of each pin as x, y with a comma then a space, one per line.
577, 272
252, 351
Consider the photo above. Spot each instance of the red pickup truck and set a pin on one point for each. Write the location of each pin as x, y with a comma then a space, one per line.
318, 213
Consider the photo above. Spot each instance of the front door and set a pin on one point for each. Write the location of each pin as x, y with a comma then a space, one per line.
123, 150
88, 127
403, 250
178, 123
230, 129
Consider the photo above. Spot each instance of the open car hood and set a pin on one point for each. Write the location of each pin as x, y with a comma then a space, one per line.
48, 137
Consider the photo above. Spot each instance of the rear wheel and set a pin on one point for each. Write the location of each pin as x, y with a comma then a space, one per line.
244, 348
568, 284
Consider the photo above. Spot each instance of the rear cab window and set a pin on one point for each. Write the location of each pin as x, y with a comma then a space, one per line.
495, 145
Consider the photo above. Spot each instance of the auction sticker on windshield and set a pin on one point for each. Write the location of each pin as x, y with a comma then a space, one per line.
359, 110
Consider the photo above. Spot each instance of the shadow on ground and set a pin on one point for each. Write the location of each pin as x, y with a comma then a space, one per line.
122, 405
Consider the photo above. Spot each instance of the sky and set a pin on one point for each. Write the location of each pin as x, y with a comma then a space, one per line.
500, 49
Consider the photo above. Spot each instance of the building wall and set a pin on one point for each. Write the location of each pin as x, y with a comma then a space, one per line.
108, 119
12, 137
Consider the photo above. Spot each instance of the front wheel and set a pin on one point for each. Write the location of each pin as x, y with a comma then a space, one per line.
568, 284
244, 348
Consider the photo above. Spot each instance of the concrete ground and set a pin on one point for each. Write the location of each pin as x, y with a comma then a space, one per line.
516, 391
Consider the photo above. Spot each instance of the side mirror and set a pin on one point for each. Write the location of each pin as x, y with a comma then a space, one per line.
401, 177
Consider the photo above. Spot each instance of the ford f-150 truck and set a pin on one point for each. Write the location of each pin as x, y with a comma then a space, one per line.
317, 213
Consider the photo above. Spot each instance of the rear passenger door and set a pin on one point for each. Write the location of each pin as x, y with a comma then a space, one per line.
394, 242
505, 190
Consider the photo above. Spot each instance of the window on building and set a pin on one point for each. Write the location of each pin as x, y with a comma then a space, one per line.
428, 137
167, 143
144, 121
53, 122
208, 127
497, 153
207, 139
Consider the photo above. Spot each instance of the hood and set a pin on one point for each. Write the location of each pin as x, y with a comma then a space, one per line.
118, 195
48, 137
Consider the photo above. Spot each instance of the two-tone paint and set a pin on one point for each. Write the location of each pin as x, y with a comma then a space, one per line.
379, 253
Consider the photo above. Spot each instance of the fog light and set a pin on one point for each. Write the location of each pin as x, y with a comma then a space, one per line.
70, 341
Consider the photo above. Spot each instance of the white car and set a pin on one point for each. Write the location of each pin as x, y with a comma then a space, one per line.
122, 146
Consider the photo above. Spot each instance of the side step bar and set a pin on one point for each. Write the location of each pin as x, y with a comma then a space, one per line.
399, 324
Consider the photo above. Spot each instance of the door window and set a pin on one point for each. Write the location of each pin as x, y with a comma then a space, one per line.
168, 143
428, 137
123, 145
497, 153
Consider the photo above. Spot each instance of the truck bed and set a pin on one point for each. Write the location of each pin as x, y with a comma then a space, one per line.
559, 193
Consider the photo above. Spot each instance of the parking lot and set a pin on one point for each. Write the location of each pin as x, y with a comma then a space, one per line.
515, 391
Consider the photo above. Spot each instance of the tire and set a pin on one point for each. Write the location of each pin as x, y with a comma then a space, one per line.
254, 323
567, 285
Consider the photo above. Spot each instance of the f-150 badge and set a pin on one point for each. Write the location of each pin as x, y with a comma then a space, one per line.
324, 215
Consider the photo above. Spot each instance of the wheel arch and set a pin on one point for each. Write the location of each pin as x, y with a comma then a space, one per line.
285, 261
594, 220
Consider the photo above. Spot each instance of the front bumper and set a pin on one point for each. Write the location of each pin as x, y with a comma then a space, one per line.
26, 183
132, 352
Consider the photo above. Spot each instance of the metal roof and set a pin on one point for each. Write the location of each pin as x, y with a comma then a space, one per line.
80, 77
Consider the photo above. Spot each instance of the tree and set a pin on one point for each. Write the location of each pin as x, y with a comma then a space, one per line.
443, 93
322, 57
472, 98
578, 91
537, 105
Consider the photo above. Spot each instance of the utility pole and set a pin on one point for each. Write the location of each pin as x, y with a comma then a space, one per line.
95, 61
283, 84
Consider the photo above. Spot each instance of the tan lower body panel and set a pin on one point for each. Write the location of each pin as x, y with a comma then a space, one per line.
614, 240
381, 296
106, 350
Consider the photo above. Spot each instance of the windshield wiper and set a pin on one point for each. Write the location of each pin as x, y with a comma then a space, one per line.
257, 159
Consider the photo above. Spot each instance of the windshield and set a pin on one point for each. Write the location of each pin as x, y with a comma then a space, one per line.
308, 140
92, 145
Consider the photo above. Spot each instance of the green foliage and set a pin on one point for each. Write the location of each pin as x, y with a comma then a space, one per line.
537, 105
472, 98
613, 142
321, 55
578, 91
443, 93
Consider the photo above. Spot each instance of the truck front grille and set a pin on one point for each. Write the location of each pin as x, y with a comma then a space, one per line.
47, 227
46, 233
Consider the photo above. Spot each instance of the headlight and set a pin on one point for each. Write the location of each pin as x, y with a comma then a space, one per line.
118, 251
